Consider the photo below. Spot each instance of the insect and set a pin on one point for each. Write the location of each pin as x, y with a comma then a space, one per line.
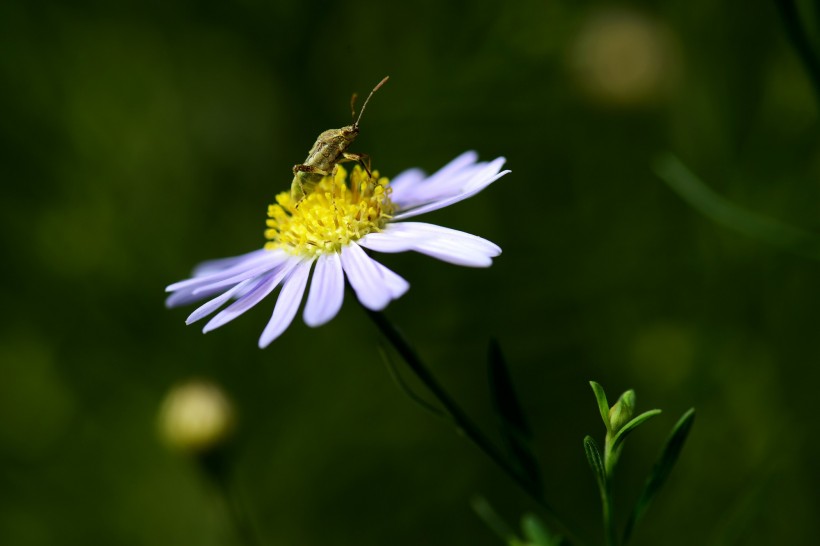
329, 150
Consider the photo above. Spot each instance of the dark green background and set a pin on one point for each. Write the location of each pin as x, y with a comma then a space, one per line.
138, 138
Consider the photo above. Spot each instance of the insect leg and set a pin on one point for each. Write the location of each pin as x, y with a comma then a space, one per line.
305, 177
362, 159
309, 169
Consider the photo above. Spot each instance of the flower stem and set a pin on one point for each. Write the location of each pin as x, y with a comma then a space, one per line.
462, 422
216, 467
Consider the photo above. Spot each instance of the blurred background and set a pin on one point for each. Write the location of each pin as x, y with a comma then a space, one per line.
139, 138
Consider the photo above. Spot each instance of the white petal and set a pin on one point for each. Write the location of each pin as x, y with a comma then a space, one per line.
404, 182
461, 161
365, 278
422, 191
186, 296
242, 263
288, 303
477, 183
454, 167
452, 252
259, 269
442, 243
252, 295
439, 187
447, 201
214, 304
326, 290
212, 266
388, 242
395, 284
424, 230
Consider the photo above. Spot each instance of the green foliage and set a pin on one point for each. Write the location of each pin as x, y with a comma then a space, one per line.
603, 404
533, 529
660, 472
536, 532
397, 378
730, 215
618, 426
622, 433
595, 461
495, 522
514, 429
603, 467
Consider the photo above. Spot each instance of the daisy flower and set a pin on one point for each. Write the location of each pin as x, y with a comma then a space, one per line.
331, 228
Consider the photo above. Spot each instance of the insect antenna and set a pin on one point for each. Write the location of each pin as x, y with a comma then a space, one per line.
352, 100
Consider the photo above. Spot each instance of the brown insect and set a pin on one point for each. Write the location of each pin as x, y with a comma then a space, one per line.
329, 150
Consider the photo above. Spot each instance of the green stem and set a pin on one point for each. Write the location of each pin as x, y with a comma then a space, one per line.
463, 423
800, 41
610, 460
240, 519
215, 465
609, 518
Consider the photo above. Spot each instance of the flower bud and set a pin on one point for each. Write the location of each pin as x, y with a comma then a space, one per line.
622, 411
196, 416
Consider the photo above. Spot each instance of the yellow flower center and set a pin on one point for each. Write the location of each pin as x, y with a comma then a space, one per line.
331, 216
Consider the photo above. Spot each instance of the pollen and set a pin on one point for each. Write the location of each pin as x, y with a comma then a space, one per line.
338, 211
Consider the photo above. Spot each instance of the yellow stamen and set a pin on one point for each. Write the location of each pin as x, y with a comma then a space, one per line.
331, 216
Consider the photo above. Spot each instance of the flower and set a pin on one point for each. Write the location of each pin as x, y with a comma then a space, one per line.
331, 227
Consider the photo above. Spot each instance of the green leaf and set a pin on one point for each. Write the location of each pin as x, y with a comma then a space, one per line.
723, 211
603, 405
630, 426
504, 398
493, 520
661, 470
595, 461
536, 532
514, 429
